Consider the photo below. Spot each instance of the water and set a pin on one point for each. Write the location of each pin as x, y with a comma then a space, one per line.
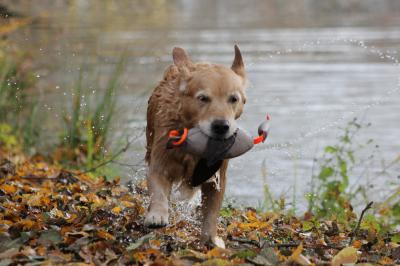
313, 65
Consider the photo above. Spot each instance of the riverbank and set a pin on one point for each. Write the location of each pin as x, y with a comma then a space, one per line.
50, 215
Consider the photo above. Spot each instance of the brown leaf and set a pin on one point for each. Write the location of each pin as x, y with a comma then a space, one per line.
105, 235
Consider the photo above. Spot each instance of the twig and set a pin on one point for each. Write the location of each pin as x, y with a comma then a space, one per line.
281, 245
244, 240
277, 245
355, 232
112, 158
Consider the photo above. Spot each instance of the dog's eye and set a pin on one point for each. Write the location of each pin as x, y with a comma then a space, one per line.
203, 98
233, 99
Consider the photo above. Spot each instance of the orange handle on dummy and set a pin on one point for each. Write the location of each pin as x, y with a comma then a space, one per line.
258, 139
175, 133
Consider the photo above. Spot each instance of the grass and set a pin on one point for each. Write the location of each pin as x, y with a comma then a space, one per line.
87, 128
13, 83
15, 110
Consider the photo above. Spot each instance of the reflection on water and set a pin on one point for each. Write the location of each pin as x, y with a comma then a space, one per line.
313, 65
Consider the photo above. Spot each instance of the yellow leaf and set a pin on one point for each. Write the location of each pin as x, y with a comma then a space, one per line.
116, 210
56, 213
13, 25
254, 225
72, 218
216, 262
34, 200
93, 198
298, 257
218, 253
386, 261
27, 224
8, 189
297, 251
251, 215
127, 204
346, 255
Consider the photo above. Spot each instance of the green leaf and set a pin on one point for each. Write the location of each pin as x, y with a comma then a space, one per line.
308, 225
326, 172
330, 149
351, 156
395, 238
396, 209
343, 174
346, 139
226, 212
243, 254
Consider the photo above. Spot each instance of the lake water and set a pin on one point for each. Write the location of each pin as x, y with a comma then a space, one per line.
313, 65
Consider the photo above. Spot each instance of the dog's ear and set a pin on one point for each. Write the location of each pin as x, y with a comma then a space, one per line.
183, 63
238, 65
181, 58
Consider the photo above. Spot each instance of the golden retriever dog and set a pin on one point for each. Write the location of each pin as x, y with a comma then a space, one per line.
205, 95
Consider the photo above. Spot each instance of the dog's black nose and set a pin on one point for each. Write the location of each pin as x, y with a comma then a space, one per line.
220, 127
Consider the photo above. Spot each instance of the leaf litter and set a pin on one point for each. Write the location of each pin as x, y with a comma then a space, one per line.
51, 216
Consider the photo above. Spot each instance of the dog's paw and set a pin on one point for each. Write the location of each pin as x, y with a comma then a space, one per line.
156, 219
214, 242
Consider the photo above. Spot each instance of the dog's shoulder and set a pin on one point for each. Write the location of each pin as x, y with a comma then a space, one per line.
163, 108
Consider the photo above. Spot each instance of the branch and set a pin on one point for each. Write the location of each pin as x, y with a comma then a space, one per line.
355, 232
112, 158
244, 240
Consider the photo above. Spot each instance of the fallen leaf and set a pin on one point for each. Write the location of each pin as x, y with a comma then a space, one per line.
346, 255
298, 257
216, 262
8, 189
116, 210
50, 237
105, 235
9, 253
218, 253
139, 242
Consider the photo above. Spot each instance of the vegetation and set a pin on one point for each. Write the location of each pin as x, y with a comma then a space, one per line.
87, 128
332, 195
17, 113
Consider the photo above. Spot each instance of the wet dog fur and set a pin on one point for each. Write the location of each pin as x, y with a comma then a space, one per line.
205, 95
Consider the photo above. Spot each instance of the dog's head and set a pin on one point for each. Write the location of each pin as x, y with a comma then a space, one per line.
212, 95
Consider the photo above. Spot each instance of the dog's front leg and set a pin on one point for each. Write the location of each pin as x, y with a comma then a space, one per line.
160, 188
212, 197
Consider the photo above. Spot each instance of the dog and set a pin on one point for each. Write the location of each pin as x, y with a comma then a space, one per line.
205, 95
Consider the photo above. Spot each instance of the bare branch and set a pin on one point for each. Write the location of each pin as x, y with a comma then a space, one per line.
355, 232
